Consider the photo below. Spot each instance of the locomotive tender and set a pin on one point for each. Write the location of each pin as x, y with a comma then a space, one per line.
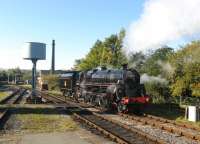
109, 88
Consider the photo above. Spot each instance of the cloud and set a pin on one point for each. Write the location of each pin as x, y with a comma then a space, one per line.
162, 22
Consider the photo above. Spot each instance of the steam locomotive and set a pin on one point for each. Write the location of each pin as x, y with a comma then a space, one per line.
118, 89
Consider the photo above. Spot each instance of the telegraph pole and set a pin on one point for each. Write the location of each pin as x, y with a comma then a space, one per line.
53, 57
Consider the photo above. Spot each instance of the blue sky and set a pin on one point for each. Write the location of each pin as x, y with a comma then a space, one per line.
74, 24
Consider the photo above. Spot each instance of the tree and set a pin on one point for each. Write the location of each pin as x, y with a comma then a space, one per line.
186, 78
27, 75
98, 55
105, 53
77, 63
153, 65
154, 62
13, 72
115, 44
3, 75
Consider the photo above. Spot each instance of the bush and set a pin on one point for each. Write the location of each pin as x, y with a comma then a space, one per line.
159, 92
191, 101
52, 81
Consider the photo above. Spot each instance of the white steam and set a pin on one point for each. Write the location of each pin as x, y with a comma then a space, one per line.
166, 66
162, 22
146, 78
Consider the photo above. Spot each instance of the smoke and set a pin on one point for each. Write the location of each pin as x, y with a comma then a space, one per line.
136, 63
146, 78
162, 22
166, 66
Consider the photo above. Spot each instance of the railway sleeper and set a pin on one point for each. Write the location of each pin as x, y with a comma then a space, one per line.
108, 134
136, 131
169, 129
173, 122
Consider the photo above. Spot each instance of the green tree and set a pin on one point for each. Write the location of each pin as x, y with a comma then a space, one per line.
3, 75
98, 55
159, 92
13, 72
153, 65
115, 44
186, 78
154, 62
27, 75
104, 53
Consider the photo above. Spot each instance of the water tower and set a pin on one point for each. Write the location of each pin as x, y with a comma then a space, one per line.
34, 51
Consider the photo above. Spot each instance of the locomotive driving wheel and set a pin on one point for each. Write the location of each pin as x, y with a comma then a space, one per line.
100, 102
104, 103
86, 99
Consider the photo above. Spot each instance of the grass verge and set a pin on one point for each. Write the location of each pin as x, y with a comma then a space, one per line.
182, 119
3, 95
40, 119
46, 123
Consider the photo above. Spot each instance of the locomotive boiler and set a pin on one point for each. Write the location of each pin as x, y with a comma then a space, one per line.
113, 88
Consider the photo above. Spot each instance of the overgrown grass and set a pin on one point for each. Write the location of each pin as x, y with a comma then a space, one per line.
183, 120
3, 95
46, 123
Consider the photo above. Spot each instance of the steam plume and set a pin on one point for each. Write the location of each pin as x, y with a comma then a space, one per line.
146, 78
166, 66
162, 22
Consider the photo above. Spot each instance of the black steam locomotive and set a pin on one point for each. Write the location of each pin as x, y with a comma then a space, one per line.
118, 89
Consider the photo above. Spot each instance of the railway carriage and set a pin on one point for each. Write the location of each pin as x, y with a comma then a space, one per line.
68, 82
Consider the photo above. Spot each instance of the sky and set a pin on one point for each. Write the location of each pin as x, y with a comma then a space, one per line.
77, 24
74, 24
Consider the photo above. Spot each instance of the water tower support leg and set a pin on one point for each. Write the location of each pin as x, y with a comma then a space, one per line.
33, 78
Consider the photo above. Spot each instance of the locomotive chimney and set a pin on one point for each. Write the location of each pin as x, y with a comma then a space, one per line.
53, 57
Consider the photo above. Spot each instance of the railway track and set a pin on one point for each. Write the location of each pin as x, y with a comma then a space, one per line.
14, 98
117, 132
180, 130
6, 99
167, 125
49, 98
183, 125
